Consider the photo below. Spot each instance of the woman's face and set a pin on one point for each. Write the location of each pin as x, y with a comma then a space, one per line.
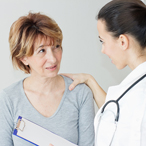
46, 59
110, 45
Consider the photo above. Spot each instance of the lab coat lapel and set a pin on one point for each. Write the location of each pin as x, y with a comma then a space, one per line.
114, 92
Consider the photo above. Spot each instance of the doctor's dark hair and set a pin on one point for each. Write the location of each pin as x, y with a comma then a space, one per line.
125, 17
25, 31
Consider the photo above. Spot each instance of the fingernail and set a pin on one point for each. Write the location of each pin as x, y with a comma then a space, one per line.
71, 87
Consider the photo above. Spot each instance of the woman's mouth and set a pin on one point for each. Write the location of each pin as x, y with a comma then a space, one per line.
51, 68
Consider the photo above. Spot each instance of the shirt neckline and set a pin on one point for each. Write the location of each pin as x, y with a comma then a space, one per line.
37, 112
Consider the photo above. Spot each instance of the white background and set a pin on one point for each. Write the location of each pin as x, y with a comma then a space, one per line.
81, 46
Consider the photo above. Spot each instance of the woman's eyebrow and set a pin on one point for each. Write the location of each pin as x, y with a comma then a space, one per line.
36, 48
41, 46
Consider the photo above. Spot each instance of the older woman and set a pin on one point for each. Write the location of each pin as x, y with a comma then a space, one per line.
43, 97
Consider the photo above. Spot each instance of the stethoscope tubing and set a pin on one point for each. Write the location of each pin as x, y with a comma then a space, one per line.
117, 101
131, 86
118, 108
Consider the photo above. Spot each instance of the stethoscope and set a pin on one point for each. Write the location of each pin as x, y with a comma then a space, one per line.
118, 110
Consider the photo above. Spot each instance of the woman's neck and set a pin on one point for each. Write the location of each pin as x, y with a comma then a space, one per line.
136, 61
135, 53
44, 85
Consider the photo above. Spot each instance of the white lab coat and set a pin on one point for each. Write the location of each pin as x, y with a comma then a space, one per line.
131, 128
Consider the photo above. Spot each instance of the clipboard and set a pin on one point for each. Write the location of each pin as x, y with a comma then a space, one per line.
38, 135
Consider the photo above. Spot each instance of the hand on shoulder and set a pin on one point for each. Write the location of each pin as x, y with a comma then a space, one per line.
77, 79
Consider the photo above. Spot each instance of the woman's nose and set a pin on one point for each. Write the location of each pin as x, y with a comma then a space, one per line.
50, 56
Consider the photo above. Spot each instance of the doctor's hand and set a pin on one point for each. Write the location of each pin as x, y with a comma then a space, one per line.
98, 93
77, 79
51, 145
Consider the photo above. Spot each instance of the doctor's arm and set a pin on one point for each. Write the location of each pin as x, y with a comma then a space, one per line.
98, 93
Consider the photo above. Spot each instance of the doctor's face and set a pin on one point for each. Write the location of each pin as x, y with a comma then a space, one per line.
46, 59
110, 45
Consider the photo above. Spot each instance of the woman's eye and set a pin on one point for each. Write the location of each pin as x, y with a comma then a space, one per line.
57, 46
42, 50
101, 41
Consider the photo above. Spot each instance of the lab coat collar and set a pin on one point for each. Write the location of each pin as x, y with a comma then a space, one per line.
135, 74
114, 92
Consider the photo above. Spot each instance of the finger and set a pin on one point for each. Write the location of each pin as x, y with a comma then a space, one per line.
67, 75
74, 84
51, 145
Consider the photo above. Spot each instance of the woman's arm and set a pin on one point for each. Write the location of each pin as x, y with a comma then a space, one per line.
6, 120
86, 117
98, 93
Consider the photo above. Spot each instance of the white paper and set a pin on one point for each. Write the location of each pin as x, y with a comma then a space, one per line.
41, 136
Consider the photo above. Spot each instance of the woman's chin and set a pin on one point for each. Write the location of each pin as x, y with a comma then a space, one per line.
52, 75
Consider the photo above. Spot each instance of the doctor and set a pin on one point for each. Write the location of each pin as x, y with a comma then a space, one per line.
121, 119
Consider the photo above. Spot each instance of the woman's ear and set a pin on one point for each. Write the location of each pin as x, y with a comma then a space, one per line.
24, 60
124, 42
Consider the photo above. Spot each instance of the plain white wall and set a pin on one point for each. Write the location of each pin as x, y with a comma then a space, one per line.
81, 46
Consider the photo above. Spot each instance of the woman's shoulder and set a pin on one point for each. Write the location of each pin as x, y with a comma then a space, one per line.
13, 86
79, 88
11, 90
80, 94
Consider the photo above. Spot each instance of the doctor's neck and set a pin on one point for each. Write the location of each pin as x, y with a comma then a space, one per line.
136, 58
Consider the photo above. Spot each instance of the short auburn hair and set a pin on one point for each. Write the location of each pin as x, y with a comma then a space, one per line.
23, 33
